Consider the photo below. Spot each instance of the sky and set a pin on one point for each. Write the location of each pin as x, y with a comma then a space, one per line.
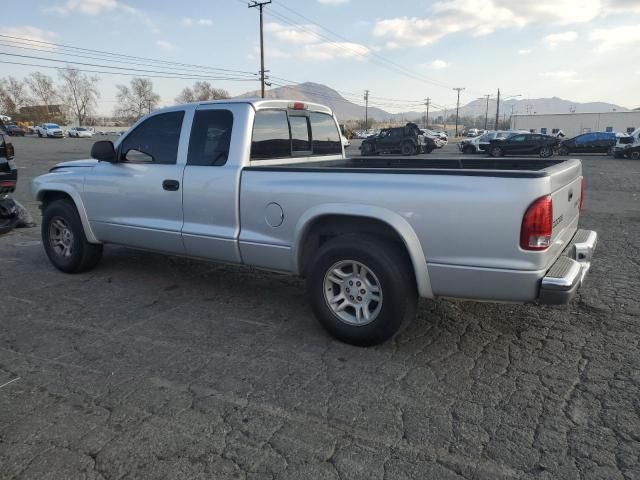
402, 51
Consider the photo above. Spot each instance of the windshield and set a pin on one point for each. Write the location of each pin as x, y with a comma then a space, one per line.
51, 125
80, 129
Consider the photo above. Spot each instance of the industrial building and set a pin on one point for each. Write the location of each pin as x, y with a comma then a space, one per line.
573, 124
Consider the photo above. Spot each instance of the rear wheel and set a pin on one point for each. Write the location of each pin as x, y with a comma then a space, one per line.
635, 155
362, 289
546, 151
496, 151
468, 149
64, 240
408, 148
366, 149
563, 151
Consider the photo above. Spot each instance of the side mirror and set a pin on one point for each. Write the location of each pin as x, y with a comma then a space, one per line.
104, 151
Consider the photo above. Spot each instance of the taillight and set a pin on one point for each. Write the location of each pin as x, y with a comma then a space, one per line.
537, 225
8, 184
581, 192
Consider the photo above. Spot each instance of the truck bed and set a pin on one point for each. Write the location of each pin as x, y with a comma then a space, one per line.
488, 167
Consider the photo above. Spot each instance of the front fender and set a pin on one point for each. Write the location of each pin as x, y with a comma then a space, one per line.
394, 220
48, 183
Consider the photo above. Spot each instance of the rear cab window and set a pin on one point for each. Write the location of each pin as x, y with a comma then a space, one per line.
278, 133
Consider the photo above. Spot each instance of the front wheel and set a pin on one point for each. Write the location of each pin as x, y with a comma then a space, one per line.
496, 152
562, 151
635, 155
64, 240
40, 134
362, 289
546, 151
408, 148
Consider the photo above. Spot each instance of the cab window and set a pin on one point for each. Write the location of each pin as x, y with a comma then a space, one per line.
210, 138
155, 140
271, 137
325, 135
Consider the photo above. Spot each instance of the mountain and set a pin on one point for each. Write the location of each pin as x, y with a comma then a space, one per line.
318, 93
347, 110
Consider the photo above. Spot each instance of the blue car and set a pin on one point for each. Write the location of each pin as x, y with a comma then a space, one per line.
592, 142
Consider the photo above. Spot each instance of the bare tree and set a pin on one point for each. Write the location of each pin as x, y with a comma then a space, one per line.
201, 92
137, 99
42, 89
79, 92
13, 95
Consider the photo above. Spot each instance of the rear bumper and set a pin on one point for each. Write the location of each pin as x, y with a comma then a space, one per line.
564, 278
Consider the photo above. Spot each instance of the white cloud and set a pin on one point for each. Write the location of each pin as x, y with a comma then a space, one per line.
166, 45
608, 39
439, 64
89, 7
564, 76
524, 51
31, 33
332, 2
482, 17
292, 35
330, 51
186, 21
206, 22
553, 40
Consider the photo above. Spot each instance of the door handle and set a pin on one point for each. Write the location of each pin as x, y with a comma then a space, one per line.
171, 185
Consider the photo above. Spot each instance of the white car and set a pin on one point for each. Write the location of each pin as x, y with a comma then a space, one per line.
49, 130
80, 132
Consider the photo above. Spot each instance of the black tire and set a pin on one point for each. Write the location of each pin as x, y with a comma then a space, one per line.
546, 151
40, 134
635, 155
430, 148
496, 151
408, 148
83, 255
393, 272
563, 151
468, 150
366, 149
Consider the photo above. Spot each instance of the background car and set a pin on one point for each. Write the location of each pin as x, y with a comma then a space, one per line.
80, 132
50, 130
523, 144
14, 131
592, 142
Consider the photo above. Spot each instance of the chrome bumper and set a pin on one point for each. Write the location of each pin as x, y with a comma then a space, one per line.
565, 276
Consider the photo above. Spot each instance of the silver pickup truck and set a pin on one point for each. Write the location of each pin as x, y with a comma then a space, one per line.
266, 183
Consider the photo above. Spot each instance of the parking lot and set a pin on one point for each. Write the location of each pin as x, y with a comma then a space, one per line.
158, 367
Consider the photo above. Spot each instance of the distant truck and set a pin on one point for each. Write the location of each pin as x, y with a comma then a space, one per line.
266, 183
407, 140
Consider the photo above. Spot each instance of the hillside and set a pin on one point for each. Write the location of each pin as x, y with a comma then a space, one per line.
346, 110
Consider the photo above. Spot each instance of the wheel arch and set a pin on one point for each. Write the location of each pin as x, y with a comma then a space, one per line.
50, 193
321, 223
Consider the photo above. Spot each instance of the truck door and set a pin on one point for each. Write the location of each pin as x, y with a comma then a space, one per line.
211, 182
137, 201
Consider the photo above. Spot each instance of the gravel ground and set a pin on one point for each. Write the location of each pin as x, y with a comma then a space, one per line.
157, 367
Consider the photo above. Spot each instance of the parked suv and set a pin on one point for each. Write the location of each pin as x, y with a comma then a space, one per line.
523, 144
592, 142
407, 140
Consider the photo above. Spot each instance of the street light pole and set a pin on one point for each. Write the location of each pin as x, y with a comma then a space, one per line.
486, 112
366, 109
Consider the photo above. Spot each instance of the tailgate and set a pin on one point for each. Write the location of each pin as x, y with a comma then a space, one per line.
566, 183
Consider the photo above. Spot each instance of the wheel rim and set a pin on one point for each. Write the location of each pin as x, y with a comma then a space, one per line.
497, 151
545, 152
352, 292
60, 237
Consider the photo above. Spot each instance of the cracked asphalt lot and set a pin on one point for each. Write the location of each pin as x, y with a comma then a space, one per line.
157, 367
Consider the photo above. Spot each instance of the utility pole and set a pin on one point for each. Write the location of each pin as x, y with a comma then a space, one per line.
497, 110
260, 5
486, 112
366, 109
445, 120
457, 107
426, 118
